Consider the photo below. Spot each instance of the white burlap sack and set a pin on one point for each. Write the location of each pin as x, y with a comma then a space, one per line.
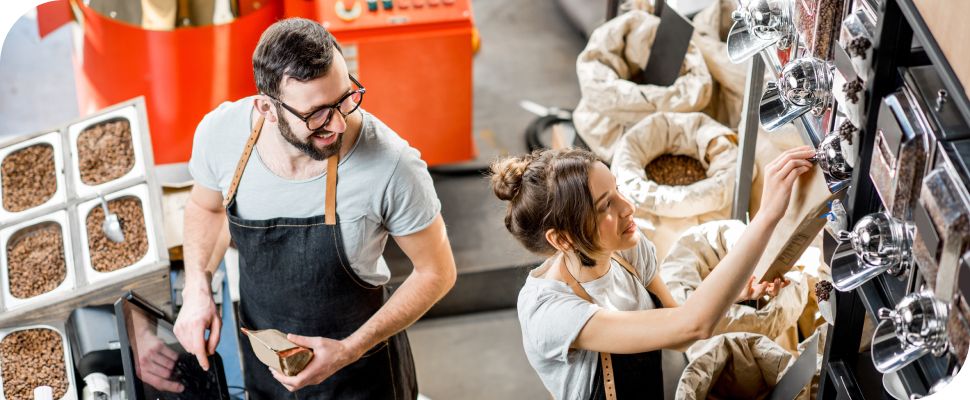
711, 27
742, 366
611, 103
697, 253
663, 212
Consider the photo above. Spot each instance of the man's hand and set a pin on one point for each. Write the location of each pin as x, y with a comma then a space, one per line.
198, 314
329, 356
756, 290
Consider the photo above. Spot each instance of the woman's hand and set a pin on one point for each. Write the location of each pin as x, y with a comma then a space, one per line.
756, 290
780, 176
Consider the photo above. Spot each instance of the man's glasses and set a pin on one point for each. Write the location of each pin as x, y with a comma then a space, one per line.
321, 116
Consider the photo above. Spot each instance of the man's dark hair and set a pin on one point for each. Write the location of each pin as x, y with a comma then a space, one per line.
295, 47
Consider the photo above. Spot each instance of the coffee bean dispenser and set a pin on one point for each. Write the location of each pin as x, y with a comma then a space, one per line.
71, 168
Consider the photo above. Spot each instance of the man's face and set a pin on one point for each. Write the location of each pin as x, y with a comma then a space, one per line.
308, 96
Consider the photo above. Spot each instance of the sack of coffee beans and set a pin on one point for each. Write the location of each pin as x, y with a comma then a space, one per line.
106, 255
29, 177
31, 358
105, 151
35, 260
675, 170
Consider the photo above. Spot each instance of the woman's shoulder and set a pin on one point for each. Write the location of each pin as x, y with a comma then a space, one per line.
544, 288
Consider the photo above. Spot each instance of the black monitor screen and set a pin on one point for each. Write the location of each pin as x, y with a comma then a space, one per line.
156, 365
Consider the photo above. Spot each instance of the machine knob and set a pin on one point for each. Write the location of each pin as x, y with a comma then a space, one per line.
346, 11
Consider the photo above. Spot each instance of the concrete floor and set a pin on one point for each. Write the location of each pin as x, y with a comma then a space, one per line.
468, 356
472, 357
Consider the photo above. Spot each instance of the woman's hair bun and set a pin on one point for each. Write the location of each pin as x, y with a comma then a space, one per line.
507, 176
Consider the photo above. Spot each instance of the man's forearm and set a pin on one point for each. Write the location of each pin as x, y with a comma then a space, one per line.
408, 303
203, 230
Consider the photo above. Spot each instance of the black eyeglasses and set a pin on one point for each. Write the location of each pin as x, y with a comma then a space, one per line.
321, 116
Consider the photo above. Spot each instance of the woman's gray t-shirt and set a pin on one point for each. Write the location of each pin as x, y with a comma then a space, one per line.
551, 317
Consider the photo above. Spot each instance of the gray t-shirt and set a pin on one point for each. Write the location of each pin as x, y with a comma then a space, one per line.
383, 186
551, 317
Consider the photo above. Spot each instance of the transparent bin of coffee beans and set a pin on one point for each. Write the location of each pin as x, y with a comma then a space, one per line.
36, 355
102, 258
32, 177
108, 151
38, 261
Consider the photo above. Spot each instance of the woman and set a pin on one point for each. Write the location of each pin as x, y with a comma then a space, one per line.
595, 314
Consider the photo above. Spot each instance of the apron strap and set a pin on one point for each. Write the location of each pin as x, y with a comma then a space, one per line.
606, 361
243, 160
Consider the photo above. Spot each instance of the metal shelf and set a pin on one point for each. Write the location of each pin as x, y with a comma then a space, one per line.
898, 25
936, 56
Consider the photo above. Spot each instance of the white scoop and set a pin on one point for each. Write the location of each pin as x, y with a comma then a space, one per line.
111, 226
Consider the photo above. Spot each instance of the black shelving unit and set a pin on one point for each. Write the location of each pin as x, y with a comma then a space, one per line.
902, 40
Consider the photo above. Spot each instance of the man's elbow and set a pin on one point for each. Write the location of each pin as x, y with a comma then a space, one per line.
448, 278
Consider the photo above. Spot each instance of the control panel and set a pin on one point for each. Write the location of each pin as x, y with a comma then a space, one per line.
364, 14
415, 59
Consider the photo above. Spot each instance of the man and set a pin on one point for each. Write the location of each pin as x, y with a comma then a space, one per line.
310, 238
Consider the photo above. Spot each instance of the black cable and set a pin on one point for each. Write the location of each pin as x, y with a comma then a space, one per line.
535, 138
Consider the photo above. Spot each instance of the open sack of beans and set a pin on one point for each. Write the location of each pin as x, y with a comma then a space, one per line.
742, 366
695, 255
611, 101
711, 26
679, 171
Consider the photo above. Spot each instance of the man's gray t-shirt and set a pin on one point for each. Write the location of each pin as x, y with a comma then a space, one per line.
383, 186
551, 317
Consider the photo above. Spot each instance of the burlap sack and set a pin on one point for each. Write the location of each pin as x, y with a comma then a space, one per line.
611, 103
663, 212
697, 253
733, 365
742, 366
711, 27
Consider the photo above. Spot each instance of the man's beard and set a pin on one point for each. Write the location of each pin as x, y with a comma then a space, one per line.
307, 147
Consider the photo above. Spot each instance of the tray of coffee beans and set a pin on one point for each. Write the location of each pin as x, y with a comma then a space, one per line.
108, 151
34, 356
103, 255
31, 176
38, 260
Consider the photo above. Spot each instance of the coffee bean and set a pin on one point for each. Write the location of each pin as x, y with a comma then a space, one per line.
105, 151
675, 170
31, 358
36, 263
107, 256
859, 46
29, 177
852, 90
823, 290
847, 131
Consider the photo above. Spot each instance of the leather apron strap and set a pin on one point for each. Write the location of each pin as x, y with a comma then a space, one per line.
606, 361
243, 160
330, 200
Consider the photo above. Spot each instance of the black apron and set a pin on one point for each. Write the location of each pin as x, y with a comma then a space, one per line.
294, 276
624, 376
